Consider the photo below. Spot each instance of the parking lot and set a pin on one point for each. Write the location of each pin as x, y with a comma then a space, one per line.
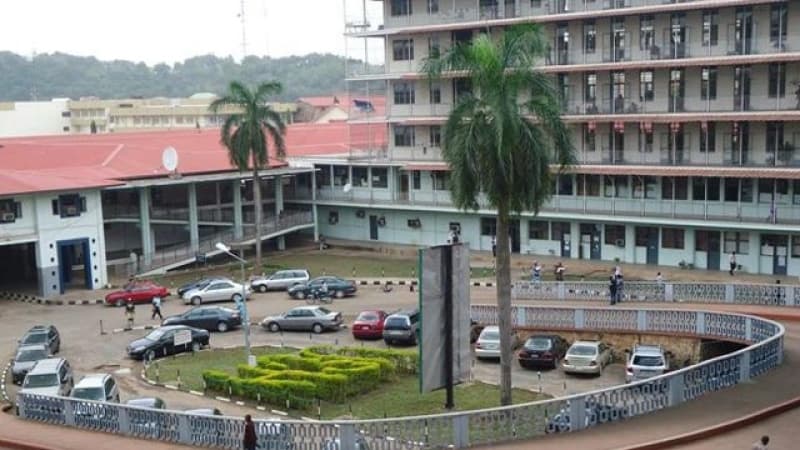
90, 352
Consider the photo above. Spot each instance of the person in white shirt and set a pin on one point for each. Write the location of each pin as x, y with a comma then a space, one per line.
733, 263
156, 308
762, 443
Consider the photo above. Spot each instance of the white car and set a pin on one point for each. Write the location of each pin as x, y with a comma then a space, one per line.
488, 343
280, 280
221, 290
100, 387
52, 376
645, 361
586, 357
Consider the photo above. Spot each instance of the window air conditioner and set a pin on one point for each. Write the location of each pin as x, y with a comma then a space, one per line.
620, 243
9, 217
71, 211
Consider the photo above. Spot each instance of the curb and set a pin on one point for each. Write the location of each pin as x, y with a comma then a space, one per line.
715, 430
34, 299
22, 445
136, 328
3, 377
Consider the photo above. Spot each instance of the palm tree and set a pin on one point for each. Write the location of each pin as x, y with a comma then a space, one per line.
249, 122
500, 141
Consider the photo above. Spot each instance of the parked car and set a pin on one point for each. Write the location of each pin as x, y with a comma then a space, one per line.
542, 350
221, 290
161, 342
27, 356
280, 280
596, 413
204, 412
100, 387
211, 318
46, 335
194, 285
52, 376
338, 287
488, 343
644, 362
147, 402
587, 357
369, 324
304, 318
138, 292
401, 327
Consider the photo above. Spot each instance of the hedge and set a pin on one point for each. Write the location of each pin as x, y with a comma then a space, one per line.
404, 361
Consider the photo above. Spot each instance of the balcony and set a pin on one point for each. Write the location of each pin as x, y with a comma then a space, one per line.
662, 103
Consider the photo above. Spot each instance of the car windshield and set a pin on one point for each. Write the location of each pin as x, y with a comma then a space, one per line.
323, 311
94, 393
31, 355
35, 338
155, 335
490, 335
583, 350
396, 323
367, 317
41, 380
650, 361
539, 344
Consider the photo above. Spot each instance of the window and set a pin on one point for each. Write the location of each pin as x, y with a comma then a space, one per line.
708, 137
615, 235
333, 217
708, 83
768, 187
644, 187
380, 177
777, 24
589, 138
434, 48
672, 238
590, 89
777, 80
558, 230
416, 180
647, 33
646, 137
588, 185
736, 241
537, 229
747, 190
436, 93
643, 234
616, 186
646, 87
731, 190
795, 246
564, 184
674, 188
440, 180
323, 177
701, 240
401, 8
710, 28
10, 210
403, 136
774, 137
69, 205
488, 226
436, 136
589, 37
770, 241
66, 113
433, 6
536, 3
360, 177
404, 93
341, 175
403, 49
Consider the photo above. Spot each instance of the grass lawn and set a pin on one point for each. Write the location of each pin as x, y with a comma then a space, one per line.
401, 397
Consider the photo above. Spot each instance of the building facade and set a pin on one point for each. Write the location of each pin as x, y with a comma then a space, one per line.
684, 117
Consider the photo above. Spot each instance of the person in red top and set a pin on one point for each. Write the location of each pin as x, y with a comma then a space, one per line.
249, 433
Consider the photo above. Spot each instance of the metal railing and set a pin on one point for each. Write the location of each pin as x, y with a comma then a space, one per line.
469, 428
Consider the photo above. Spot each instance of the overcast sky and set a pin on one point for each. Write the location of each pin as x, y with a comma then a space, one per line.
156, 31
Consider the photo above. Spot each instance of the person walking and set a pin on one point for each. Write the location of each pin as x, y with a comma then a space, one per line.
620, 284
536, 273
762, 444
659, 279
732, 263
559, 271
494, 247
156, 308
250, 441
612, 289
130, 312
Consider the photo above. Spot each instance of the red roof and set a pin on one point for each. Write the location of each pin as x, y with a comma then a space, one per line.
54, 163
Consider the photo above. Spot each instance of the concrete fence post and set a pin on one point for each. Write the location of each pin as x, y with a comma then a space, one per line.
748, 330
744, 367
184, 429
729, 293
461, 431
347, 436
641, 320
69, 413
789, 295
579, 319
561, 291
124, 421
577, 413
669, 292
700, 325
676, 387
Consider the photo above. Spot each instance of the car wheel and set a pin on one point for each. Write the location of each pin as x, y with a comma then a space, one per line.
196, 300
262, 288
222, 327
237, 298
387, 342
300, 295
339, 294
196, 346
149, 355
119, 303
274, 327
316, 328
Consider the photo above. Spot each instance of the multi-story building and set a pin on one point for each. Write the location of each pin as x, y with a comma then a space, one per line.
684, 116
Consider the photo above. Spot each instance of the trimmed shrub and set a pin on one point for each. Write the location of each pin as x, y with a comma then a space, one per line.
216, 380
404, 361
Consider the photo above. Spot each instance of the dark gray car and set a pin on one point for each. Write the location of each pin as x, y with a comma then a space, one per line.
304, 318
25, 359
43, 334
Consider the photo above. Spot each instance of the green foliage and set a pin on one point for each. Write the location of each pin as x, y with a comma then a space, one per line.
404, 361
54, 75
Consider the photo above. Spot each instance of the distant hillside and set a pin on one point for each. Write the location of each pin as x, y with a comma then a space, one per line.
56, 75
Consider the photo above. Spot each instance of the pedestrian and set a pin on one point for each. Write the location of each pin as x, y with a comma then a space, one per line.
494, 247
733, 263
659, 279
536, 273
130, 312
612, 289
619, 284
250, 440
156, 308
762, 443
778, 293
559, 271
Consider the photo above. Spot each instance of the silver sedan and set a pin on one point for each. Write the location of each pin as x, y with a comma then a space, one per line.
216, 291
304, 318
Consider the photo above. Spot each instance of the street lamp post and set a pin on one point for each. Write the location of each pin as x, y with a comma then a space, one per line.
245, 316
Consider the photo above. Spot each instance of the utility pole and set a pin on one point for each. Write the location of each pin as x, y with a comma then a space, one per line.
244, 31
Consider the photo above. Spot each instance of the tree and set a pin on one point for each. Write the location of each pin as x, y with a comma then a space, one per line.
500, 141
245, 135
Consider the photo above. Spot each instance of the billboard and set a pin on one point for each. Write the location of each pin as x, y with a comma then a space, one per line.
442, 316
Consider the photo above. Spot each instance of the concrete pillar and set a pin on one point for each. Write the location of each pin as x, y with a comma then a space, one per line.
575, 240
523, 235
194, 229
281, 241
148, 247
238, 231
314, 211
630, 243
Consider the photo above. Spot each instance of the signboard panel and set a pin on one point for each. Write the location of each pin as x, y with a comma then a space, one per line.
433, 349
182, 337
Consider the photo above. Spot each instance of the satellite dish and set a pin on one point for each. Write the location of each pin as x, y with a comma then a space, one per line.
169, 159
347, 187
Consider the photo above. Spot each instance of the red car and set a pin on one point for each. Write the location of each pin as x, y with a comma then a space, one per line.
369, 325
138, 292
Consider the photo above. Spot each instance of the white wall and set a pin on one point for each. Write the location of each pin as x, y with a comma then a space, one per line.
33, 118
